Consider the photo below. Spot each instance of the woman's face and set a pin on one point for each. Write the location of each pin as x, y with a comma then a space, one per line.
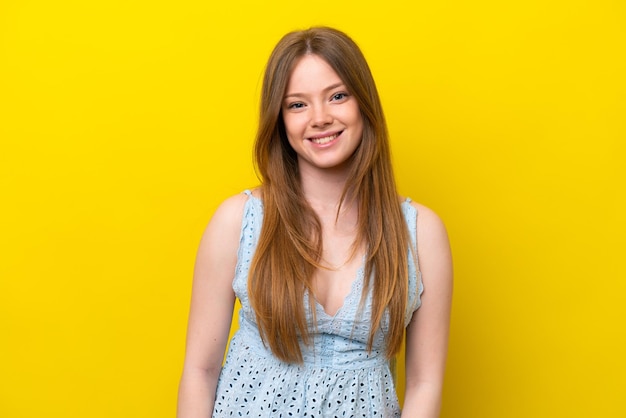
322, 119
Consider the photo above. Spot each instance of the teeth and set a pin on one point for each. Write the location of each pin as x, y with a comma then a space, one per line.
324, 140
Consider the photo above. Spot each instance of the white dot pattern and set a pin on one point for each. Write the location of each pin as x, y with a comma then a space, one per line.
338, 378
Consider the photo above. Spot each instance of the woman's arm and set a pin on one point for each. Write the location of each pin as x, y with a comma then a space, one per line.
211, 310
427, 334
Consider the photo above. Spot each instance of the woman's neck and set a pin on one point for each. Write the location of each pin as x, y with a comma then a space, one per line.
323, 186
323, 190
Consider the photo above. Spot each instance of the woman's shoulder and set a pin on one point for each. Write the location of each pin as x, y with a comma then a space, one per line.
429, 225
229, 213
231, 206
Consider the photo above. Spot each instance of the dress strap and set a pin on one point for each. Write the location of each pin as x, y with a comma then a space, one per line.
410, 215
416, 287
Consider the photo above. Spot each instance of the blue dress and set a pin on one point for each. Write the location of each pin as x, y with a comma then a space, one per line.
338, 378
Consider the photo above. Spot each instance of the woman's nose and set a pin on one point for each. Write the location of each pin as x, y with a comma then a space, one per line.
321, 116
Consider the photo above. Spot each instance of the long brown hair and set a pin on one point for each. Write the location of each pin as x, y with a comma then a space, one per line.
289, 248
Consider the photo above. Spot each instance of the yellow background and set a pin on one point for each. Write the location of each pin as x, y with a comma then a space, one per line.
124, 124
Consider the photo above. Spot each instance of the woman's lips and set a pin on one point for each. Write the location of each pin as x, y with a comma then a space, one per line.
321, 140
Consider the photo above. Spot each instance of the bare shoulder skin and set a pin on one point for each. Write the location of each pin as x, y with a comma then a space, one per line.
211, 309
427, 333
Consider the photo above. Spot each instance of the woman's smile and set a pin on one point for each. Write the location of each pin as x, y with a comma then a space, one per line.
324, 139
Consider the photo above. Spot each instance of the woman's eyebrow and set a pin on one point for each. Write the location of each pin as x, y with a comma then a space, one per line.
331, 87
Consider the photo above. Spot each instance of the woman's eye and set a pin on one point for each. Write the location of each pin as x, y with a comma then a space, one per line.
339, 96
296, 105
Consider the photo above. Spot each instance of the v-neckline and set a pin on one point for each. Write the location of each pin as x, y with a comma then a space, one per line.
356, 283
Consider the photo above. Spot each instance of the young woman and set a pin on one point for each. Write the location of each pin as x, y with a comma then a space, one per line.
329, 263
